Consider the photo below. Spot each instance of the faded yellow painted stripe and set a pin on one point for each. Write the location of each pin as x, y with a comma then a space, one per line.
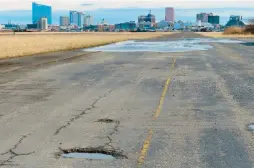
164, 92
146, 145
174, 62
158, 109
145, 148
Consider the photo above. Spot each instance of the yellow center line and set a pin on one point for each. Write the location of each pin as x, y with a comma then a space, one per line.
158, 109
146, 145
174, 62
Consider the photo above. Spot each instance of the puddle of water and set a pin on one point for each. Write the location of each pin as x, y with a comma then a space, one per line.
191, 44
248, 44
93, 156
251, 127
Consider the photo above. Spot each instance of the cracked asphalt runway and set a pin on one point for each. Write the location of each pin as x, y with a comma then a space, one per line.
166, 110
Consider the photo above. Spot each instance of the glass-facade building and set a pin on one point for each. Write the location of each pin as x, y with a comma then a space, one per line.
73, 17
127, 26
214, 19
76, 18
41, 11
80, 19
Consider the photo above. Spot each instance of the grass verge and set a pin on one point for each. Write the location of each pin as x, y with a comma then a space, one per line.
222, 35
30, 44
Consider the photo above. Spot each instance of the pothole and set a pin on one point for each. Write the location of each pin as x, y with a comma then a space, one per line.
93, 156
106, 120
251, 127
98, 153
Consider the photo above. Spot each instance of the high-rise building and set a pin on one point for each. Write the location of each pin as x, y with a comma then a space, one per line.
64, 21
169, 14
148, 18
41, 11
43, 24
214, 20
1, 26
80, 19
203, 17
127, 26
88, 20
73, 17
76, 18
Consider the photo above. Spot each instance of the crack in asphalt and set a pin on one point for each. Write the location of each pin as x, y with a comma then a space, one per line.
117, 123
107, 148
78, 116
115, 130
14, 154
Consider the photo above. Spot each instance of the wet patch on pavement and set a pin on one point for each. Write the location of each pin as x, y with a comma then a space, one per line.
250, 44
183, 45
156, 68
91, 74
92, 153
9, 63
251, 127
151, 86
223, 148
240, 88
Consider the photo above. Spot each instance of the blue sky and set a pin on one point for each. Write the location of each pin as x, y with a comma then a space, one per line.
115, 11
99, 4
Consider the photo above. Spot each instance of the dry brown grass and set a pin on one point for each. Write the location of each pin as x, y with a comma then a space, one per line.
249, 29
222, 35
23, 44
234, 30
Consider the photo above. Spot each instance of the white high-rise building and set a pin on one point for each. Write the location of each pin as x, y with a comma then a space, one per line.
1, 26
43, 24
64, 21
88, 20
203, 17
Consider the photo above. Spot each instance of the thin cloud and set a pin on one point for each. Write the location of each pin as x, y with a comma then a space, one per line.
87, 4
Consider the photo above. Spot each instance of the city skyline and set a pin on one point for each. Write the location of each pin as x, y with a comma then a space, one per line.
128, 14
